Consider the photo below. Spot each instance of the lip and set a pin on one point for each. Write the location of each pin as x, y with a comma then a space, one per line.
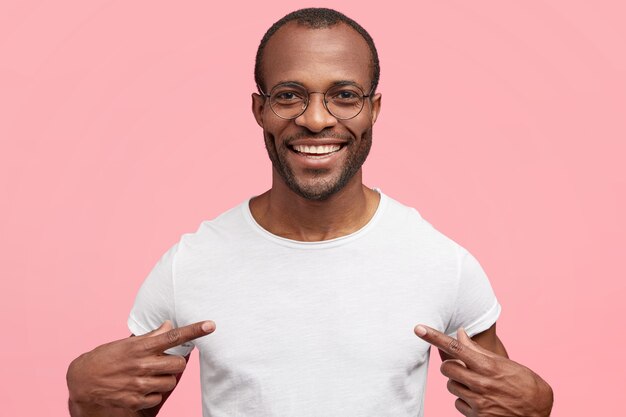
317, 142
316, 161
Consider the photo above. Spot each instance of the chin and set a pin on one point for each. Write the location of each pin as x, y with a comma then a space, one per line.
322, 184
318, 190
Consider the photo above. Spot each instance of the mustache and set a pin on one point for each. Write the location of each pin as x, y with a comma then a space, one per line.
324, 134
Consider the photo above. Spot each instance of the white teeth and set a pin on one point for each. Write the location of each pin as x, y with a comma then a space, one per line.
317, 149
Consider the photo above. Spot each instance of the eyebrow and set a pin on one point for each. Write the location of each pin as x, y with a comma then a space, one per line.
347, 82
335, 83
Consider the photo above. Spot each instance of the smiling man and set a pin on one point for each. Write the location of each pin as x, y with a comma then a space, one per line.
317, 108
316, 285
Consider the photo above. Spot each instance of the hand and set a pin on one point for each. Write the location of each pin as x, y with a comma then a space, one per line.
487, 384
132, 373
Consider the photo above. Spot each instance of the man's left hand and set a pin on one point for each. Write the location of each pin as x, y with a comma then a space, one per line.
487, 384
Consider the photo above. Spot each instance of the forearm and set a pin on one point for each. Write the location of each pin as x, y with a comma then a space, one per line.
93, 410
82, 410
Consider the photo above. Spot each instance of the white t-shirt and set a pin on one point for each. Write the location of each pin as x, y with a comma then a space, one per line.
315, 329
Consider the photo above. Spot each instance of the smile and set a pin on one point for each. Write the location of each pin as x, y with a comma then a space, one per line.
320, 151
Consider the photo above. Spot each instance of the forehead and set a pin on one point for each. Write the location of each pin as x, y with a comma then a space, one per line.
317, 58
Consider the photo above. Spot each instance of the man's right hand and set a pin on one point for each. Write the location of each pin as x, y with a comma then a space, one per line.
132, 373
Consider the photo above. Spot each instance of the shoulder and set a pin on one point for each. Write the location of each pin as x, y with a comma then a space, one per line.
409, 226
228, 224
223, 238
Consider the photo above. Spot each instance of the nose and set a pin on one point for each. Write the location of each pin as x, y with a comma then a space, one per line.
316, 117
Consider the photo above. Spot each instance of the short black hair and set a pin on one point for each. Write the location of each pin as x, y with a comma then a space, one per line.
316, 18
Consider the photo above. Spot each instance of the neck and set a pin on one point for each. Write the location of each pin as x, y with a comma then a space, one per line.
287, 214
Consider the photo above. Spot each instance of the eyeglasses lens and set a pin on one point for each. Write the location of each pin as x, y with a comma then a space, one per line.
342, 101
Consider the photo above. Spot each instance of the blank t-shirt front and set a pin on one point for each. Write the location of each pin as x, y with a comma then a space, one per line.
315, 329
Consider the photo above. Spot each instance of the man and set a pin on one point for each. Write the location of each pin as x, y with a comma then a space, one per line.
316, 284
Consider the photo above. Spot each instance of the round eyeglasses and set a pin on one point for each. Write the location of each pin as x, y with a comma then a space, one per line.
290, 100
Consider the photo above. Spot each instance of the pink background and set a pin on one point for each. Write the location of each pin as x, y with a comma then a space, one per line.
125, 124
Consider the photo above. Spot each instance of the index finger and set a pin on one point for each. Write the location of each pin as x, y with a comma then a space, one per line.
449, 345
178, 336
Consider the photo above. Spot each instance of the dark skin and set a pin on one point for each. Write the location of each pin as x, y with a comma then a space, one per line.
133, 377
316, 59
485, 381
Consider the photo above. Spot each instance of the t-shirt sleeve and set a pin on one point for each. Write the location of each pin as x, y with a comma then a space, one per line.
155, 301
476, 308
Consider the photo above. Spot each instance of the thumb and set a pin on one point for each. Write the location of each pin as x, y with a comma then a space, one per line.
464, 338
166, 326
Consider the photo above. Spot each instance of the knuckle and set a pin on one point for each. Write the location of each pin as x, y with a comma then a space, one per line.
482, 385
173, 336
152, 400
450, 386
148, 343
455, 346
134, 403
144, 368
181, 365
444, 368
170, 383
141, 385
497, 366
480, 403
174, 364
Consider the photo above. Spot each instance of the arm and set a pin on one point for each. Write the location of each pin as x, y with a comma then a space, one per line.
486, 382
131, 377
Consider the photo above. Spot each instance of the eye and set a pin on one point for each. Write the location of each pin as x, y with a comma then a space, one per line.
287, 97
345, 96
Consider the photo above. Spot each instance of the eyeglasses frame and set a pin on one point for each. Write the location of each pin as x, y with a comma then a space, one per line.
306, 106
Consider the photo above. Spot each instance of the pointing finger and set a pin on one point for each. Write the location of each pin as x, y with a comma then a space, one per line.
160, 342
451, 346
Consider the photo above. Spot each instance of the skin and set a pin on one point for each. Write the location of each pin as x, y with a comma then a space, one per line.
308, 201
317, 59
486, 382
132, 376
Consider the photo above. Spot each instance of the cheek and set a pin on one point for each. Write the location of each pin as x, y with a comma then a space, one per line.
275, 130
359, 128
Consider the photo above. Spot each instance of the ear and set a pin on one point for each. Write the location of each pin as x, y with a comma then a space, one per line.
376, 103
258, 105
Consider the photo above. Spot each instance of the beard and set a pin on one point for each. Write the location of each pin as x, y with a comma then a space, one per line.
322, 186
